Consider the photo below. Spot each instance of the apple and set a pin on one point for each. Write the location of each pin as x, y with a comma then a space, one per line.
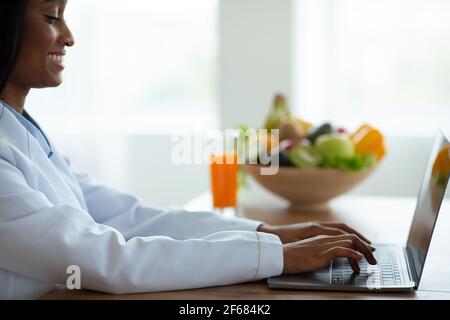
335, 146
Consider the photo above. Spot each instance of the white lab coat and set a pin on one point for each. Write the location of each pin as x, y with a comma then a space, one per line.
52, 216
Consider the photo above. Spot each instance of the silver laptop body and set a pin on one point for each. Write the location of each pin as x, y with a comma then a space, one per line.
399, 268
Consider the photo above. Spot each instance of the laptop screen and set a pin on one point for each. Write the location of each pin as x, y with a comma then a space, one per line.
429, 202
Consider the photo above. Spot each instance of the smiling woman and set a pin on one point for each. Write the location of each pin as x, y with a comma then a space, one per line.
43, 36
54, 218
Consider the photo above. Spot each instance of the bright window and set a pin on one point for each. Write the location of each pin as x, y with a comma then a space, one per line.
138, 66
382, 61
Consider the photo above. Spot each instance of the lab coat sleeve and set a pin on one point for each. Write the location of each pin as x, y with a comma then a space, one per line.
125, 213
40, 240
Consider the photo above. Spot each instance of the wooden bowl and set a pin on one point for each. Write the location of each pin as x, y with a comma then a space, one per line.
308, 189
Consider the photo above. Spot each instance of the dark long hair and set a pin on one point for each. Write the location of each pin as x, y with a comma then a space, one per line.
12, 13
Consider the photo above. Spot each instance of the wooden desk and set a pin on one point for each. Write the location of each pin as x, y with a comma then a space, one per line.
382, 219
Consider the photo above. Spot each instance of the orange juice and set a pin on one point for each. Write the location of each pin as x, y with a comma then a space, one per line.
224, 179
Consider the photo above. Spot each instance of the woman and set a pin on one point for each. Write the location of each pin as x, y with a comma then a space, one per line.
53, 216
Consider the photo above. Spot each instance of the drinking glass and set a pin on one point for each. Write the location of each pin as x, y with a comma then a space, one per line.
224, 181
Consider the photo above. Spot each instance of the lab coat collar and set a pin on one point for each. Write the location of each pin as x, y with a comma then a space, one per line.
13, 131
32, 127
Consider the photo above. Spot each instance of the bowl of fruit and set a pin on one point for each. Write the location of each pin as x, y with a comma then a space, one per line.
315, 163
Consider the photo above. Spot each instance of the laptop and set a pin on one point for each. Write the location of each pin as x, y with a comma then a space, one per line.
399, 268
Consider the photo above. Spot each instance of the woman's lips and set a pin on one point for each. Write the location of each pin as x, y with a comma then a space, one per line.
57, 59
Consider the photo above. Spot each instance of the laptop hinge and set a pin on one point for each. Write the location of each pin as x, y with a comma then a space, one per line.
411, 268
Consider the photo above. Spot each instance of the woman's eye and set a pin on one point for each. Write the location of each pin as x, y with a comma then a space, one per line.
51, 19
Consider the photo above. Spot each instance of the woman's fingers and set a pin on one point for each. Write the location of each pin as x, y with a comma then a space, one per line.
356, 243
362, 247
342, 252
330, 231
344, 244
354, 265
331, 238
346, 228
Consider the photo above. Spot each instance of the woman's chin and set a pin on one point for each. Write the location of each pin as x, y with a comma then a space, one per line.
56, 84
52, 82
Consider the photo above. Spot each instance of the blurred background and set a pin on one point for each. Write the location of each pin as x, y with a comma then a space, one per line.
142, 69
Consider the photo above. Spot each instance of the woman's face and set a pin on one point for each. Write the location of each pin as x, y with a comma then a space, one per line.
41, 59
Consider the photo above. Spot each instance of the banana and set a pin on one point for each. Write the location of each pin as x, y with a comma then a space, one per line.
278, 113
280, 117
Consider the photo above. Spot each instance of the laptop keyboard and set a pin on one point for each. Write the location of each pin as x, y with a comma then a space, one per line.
385, 273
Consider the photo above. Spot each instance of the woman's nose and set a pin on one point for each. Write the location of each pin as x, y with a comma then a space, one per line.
66, 37
70, 42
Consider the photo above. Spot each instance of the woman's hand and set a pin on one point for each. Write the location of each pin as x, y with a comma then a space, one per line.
313, 245
301, 231
318, 252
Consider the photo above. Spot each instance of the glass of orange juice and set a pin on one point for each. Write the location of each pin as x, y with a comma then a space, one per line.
224, 181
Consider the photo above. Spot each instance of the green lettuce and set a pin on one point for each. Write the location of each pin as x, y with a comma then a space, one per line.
356, 163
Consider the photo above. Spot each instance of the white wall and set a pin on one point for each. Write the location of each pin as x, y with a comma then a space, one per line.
255, 60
